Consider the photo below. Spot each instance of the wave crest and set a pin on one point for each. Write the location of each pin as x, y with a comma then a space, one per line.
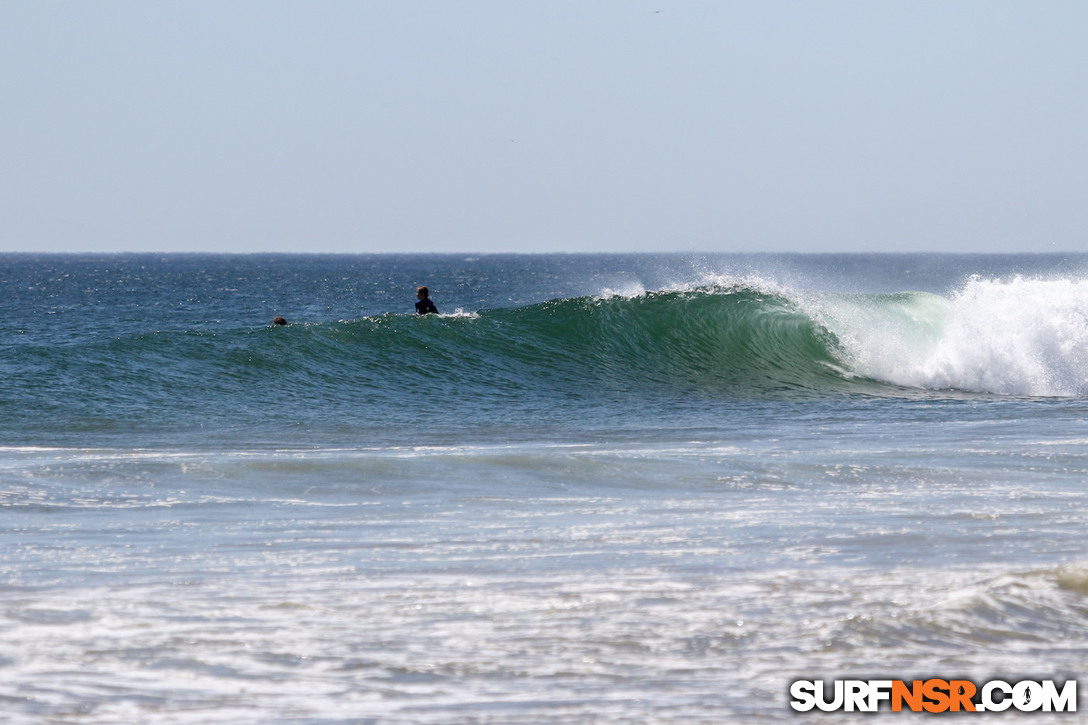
1018, 336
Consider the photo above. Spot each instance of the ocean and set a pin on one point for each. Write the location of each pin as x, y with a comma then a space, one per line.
593, 489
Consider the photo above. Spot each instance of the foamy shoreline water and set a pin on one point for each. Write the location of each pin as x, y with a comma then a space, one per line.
580, 508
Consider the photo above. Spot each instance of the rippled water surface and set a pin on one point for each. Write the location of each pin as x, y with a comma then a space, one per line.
617, 489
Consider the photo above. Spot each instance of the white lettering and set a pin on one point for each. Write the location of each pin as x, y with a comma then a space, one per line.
879, 690
1027, 696
856, 695
821, 698
988, 697
1065, 701
994, 696
804, 697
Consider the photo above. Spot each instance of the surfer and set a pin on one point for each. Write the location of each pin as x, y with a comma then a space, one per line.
424, 305
279, 321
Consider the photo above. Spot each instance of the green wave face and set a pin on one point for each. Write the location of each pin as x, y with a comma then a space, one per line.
603, 356
736, 341
677, 346
991, 337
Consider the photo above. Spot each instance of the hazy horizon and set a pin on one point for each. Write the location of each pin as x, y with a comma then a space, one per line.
490, 127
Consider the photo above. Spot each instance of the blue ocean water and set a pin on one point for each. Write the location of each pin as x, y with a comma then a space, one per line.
594, 488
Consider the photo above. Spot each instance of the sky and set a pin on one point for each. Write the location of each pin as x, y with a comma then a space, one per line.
544, 126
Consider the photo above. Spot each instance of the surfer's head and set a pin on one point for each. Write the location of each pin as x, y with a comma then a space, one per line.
422, 293
278, 321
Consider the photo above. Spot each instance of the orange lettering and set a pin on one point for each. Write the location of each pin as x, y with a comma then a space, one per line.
961, 692
935, 690
913, 695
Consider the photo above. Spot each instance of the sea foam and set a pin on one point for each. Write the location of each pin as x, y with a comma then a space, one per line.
1016, 336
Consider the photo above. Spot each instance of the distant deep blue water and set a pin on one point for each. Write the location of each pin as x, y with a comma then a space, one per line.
614, 488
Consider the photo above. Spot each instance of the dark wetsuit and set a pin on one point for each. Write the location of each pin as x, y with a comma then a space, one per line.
425, 306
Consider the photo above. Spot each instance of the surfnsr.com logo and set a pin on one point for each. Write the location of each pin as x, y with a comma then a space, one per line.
934, 695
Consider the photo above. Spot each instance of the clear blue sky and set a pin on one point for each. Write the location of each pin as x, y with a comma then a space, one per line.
505, 126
